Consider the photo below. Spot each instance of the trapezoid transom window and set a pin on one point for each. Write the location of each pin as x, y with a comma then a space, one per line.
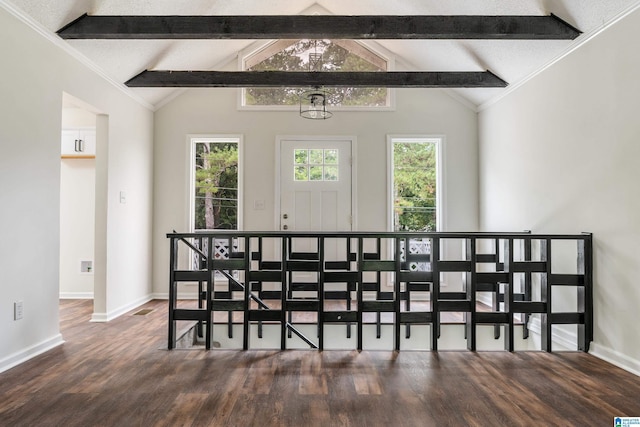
316, 55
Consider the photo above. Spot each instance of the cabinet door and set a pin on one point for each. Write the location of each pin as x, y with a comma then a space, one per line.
88, 138
78, 142
69, 138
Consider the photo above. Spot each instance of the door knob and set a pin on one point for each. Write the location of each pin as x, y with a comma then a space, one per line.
285, 216
285, 227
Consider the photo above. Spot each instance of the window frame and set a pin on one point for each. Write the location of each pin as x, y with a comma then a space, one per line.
260, 46
308, 164
438, 140
192, 140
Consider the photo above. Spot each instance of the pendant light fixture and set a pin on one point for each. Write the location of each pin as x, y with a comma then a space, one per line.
313, 104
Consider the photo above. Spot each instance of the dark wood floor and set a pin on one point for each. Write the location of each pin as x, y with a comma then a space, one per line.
118, 374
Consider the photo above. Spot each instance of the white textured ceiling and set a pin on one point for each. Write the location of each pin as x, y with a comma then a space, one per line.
512, 60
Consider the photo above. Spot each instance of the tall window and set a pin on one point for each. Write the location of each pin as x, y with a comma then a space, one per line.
215, 177
316, 55
414, 189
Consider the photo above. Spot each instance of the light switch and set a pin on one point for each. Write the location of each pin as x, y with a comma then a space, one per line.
123, 197
258, 205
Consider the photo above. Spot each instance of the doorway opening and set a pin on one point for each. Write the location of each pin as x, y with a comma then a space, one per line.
77, 199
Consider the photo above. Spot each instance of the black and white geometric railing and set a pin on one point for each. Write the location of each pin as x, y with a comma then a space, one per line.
350, 278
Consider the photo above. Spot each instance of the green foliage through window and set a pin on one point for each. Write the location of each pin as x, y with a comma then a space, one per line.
414, 182
216, 185
315, 164
334, 58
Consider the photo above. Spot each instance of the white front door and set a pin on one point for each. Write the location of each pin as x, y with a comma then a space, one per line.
315, 185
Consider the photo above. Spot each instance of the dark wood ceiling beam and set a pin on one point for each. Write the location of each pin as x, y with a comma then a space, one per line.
318, 26
395, 79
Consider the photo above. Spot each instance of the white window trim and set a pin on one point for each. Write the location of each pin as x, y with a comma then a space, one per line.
439, 141
192, 139
374, 47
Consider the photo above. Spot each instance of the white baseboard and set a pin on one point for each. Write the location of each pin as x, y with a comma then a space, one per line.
30, 352
106, 317
99, 318
618, 359
562, 338
76, 295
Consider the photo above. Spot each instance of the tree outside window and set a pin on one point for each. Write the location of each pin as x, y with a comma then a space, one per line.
216, 186
414, 186
320, 55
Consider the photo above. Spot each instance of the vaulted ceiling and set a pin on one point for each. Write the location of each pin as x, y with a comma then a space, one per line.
511, 60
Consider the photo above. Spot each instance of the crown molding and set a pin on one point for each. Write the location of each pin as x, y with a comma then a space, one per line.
575, 45
64, 46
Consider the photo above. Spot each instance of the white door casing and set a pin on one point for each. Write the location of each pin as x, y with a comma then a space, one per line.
315, 204
323, 200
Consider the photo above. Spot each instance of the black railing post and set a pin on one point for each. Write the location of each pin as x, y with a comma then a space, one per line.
260, 329
247, 292
471, 288
283, 295
360, 290
210, 288
321, 258
172, 293
397, 290
527, 284
435, 292
349, 285
378, 289
495, 295
200, 266
546, 321
509, 344
585, 292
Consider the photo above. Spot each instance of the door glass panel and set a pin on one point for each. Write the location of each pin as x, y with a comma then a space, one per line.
300, 157
315, 164
315, 157
315, 173
330, 157
330, 173
301, 173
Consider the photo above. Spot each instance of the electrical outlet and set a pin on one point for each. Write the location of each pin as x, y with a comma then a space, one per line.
17, 310
86, 266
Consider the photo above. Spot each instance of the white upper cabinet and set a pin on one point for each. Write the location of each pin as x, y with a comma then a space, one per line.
78, 143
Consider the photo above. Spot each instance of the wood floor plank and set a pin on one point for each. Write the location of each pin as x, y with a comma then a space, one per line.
312, 378
119, 374
184, 410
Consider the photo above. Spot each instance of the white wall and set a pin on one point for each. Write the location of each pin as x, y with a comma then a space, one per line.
560, 154
35, 72
214, 111
75, 117
77, 226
